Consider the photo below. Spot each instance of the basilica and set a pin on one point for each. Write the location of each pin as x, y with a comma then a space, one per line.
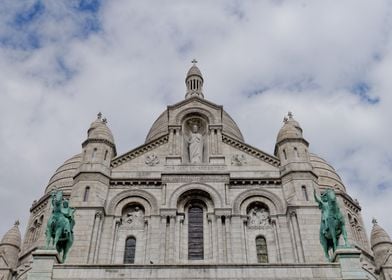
195, 201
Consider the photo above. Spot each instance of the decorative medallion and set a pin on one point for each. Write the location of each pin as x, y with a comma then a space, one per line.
238, 160
152, 160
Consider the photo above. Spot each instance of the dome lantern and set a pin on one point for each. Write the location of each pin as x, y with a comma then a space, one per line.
194, 82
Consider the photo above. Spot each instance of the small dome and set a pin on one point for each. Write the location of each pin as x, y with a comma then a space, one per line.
194, 71
378, 235
99, 130
290, 130
327, 176
63, 177
161, 127
13, 236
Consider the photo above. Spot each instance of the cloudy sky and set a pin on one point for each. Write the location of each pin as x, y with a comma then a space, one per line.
61, 62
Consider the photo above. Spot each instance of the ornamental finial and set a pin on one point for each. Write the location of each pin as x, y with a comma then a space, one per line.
194, 61
99, 115
290, 114
16, 223
374, 221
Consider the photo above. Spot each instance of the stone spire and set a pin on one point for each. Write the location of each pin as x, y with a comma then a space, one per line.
12, 237
10, 245
381, 245
194, 82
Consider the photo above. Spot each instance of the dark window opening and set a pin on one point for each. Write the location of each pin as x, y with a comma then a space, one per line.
261, 249
130, 247
195, 233
86, 193
305, 193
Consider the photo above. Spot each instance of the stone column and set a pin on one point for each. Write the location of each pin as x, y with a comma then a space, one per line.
229, 253
350, 264
218, 142
42, 267
172, 233
117, 223
275, 225
171, 142
178, 238
220, 238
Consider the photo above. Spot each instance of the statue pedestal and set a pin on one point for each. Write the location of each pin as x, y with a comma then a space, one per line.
349, 262
43, 261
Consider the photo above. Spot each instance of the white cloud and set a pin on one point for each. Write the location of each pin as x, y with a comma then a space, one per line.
259, 59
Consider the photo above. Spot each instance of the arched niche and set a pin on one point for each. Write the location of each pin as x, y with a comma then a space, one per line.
213, 194
197, 198
195, 137
272, 201
131, 197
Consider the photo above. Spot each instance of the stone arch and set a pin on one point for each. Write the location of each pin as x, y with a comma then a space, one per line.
147, 200
215, 196
203, 197
201, 111
243, 200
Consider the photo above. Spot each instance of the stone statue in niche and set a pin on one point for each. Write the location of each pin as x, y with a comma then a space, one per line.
134, 216
195, 144
258, 217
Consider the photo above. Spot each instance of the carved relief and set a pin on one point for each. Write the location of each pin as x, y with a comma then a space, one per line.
258, 216
133, 216
238, 160
152, 160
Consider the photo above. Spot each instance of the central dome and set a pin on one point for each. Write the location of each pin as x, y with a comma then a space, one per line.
161, 127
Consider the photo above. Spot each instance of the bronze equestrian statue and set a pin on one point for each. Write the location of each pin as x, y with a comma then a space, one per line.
60, 225
332, 222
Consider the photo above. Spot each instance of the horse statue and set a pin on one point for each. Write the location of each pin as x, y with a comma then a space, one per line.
59, 229
332, 222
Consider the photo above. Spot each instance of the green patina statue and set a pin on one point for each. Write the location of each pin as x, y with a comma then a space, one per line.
332, 222
60, 225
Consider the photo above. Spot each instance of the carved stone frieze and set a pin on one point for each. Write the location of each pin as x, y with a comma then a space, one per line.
258, 217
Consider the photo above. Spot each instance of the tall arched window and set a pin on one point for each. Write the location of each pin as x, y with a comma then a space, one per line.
130, 247
195, 233
261, 249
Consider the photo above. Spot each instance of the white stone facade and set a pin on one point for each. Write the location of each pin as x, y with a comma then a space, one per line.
243, 193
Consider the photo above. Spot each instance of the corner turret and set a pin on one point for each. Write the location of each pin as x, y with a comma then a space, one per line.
9, 250
99, 148
291, 147
382, 248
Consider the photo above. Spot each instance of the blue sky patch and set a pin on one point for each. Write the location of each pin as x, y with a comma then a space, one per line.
90, 6
363, 89
32, 13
